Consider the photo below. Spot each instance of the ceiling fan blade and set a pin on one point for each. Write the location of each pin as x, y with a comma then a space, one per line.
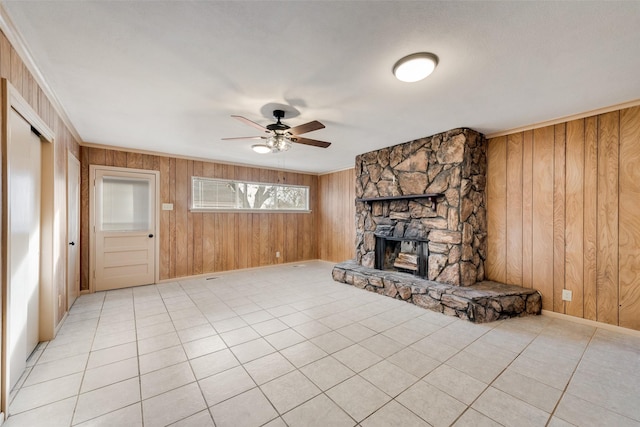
243, 137
250, 123
307, 127
313, 142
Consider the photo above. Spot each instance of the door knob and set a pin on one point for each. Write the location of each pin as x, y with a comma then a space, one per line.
72, 243
150, 235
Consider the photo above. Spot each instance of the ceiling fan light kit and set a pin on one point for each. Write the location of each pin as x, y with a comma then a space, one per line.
261, 148
415, 67
281, 136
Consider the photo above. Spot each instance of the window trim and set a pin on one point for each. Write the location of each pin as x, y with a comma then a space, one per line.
245, 210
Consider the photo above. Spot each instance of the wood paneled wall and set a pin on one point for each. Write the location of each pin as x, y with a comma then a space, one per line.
564, 213
336, 223
193, 243
15, 71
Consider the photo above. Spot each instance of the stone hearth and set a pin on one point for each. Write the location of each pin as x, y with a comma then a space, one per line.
482, 302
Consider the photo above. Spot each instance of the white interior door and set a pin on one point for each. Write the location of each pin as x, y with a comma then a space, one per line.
73, 229
124, 228
23, 252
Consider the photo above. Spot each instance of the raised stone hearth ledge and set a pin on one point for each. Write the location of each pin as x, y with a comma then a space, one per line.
483, 302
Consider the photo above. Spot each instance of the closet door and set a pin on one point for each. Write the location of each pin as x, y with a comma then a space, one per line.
23, 242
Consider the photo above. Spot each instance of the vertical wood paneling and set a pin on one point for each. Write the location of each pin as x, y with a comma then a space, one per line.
351, 234
580, 204
15, 71
119, 158
5, 56
495, 265
197, 229
196, 243
148, 162
108, 158
231, 242
15, 77
329, 216
189, 233
310, 250
264, 244
208, 228
243, 227
514, 209
134, 161
255, 241
527, 209
607, 244
172, 218
182, 197
43, 106
558, 216
543, 148
629, 259
228, 223
165, 219
244, 240
574, 228
97, 157
590, 216
208, 242
30, 92
279, 236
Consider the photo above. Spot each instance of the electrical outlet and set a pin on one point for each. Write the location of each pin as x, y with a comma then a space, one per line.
167, 206
278, 254
566, 295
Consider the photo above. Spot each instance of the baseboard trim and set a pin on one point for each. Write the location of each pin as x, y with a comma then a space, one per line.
593, 323
218, 273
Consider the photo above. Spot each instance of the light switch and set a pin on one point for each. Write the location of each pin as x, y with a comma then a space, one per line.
167, 206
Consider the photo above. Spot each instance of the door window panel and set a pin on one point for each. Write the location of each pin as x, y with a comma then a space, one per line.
125, 204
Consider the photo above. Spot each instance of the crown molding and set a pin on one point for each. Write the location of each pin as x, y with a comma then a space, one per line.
192, 158
18, 43
336, 171
566, 119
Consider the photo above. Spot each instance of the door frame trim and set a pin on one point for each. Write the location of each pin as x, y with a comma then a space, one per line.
12, 99
71, 158
92, 221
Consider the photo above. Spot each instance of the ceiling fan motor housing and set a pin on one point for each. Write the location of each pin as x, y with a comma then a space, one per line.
278, 126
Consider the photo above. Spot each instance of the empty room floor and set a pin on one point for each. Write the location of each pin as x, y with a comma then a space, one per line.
286, 345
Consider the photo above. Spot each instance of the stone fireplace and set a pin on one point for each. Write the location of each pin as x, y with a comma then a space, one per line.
420, 209
426, 200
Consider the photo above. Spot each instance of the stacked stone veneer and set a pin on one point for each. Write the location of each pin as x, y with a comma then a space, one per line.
482, 302
452, 163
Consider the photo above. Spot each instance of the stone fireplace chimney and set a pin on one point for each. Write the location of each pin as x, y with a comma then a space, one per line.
450, 168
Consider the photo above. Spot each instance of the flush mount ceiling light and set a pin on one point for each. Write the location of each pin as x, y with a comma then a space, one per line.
415, 67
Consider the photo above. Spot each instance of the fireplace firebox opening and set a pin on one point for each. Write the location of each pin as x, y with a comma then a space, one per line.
401, 254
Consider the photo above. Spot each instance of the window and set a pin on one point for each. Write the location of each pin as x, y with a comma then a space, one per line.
209, 194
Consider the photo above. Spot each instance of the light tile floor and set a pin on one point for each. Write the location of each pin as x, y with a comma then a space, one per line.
287, 345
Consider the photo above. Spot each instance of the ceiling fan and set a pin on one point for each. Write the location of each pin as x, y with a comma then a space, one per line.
280, 136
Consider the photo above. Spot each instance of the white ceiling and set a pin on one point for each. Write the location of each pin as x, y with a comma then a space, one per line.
166, 76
